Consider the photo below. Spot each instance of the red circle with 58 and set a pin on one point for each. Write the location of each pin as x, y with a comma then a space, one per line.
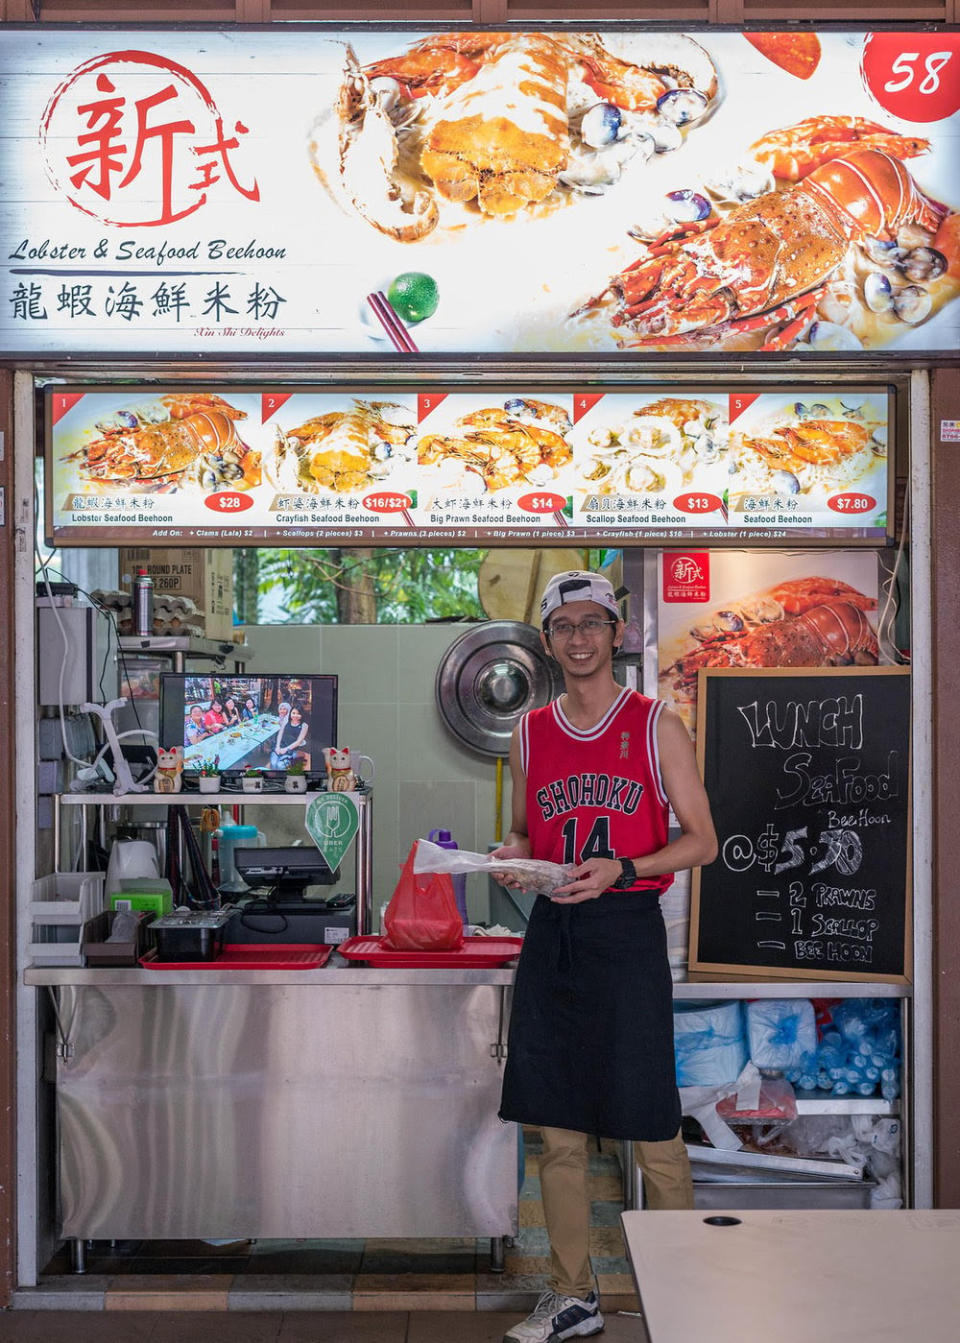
915, 76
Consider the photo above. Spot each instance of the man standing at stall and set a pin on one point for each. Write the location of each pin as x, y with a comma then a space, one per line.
590, 1049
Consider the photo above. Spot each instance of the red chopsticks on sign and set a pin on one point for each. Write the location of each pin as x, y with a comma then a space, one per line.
391, 323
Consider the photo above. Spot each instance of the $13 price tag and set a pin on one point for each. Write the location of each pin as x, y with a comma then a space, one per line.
915, 76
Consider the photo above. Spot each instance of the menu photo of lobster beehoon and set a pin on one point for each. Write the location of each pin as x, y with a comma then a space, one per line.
175, 441
809, 610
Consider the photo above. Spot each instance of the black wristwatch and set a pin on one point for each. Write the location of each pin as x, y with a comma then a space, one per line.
627, 877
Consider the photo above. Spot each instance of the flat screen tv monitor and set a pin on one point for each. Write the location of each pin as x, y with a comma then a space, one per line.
248, 722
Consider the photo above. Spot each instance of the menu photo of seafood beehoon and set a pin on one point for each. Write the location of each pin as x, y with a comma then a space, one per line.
811, 462
743, 609
496, 459
651, 461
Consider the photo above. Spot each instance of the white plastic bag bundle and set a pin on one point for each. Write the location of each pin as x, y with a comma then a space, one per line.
709, 1043
781, 1031
533, 874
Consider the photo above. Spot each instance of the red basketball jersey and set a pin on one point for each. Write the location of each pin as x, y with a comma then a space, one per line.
596, 793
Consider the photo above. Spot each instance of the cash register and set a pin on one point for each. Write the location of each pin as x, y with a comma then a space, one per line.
279, 908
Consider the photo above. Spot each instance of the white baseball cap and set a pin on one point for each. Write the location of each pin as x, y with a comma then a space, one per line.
577, 585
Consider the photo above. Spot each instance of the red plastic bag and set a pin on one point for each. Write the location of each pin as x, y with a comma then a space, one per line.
422, 913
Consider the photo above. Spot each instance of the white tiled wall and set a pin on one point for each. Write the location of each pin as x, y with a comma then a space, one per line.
425, 778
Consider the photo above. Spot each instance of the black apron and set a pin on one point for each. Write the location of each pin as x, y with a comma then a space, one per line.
590, 1046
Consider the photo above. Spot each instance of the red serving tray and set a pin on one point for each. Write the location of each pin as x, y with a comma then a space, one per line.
252, 956
477, 953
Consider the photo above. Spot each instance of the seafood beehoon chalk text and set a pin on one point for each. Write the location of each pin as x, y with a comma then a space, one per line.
813, 833
158, 254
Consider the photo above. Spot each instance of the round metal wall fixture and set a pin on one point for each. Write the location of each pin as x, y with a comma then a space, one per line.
488, 678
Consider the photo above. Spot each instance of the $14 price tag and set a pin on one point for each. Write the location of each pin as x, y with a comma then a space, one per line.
915, 76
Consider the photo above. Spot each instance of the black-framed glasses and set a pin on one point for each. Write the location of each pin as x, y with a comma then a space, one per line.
591, 628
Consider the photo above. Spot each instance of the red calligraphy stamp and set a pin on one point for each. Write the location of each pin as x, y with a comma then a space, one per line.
136, 140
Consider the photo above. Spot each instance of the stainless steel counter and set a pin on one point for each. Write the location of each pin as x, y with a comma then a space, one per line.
343, 1101
332, 976
209, 1103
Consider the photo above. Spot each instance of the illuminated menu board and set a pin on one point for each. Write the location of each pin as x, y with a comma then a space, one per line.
316, 466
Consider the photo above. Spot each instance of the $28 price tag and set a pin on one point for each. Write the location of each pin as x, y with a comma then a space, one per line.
915, 76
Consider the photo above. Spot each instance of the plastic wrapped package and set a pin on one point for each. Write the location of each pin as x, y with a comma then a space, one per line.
709, 1043
533, 874
675, 908
858, 1052
781, 1032
776, 1101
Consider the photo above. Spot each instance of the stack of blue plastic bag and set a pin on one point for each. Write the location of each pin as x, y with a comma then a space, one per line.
858, 1052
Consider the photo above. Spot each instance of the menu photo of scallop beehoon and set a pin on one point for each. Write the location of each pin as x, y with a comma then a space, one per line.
651, 461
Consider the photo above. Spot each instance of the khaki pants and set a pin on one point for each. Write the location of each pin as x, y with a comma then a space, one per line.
566, 1201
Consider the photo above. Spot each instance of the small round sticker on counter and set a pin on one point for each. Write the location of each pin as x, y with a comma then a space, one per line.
913, 75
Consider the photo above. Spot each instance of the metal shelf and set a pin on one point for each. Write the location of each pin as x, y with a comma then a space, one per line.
199, 799
825, 1103
795, 988
186, 645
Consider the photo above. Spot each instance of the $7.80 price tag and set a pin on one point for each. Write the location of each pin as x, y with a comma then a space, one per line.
915, 76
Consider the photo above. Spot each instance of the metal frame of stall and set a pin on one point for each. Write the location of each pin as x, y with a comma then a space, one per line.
36, 1237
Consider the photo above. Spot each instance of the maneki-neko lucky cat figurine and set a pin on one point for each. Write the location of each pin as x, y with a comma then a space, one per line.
340, 774
169, 775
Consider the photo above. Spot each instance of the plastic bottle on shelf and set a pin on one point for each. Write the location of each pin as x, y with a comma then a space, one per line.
443, 840
143, 603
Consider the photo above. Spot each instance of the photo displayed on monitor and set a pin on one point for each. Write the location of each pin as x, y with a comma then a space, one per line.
248, 722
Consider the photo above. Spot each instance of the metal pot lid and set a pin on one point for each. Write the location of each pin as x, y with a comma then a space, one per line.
488, 678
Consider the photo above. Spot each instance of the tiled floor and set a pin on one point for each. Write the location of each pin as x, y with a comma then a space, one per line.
274, 1327
401, 1278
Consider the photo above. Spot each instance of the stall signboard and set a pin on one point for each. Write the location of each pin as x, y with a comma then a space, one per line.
310, 466
808, 775
618, 193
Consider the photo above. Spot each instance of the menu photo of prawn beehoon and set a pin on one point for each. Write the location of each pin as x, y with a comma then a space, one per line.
751, 609
651, 461
495, 458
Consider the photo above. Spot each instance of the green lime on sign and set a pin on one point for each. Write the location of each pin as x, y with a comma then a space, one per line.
332, 823
414, 295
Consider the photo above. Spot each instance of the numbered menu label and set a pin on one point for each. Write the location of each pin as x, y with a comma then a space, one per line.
808, 779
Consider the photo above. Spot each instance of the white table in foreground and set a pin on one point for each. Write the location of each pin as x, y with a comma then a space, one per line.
800, 1277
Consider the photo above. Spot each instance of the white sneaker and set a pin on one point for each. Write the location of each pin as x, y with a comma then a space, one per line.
555, 1317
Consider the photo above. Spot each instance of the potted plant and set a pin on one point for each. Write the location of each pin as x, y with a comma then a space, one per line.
209, 781
296, 779
252, 781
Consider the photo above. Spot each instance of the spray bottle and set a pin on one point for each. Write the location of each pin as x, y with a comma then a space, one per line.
443, 840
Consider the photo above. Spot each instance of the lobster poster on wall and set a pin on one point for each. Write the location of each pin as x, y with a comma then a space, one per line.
383, 193
487, 465
740, 609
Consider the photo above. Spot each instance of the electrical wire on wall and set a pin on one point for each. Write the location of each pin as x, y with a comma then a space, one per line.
888, 614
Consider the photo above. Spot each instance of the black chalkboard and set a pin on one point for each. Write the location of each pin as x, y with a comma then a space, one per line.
808, 775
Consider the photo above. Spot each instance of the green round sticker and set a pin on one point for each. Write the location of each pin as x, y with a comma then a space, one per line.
332, 823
